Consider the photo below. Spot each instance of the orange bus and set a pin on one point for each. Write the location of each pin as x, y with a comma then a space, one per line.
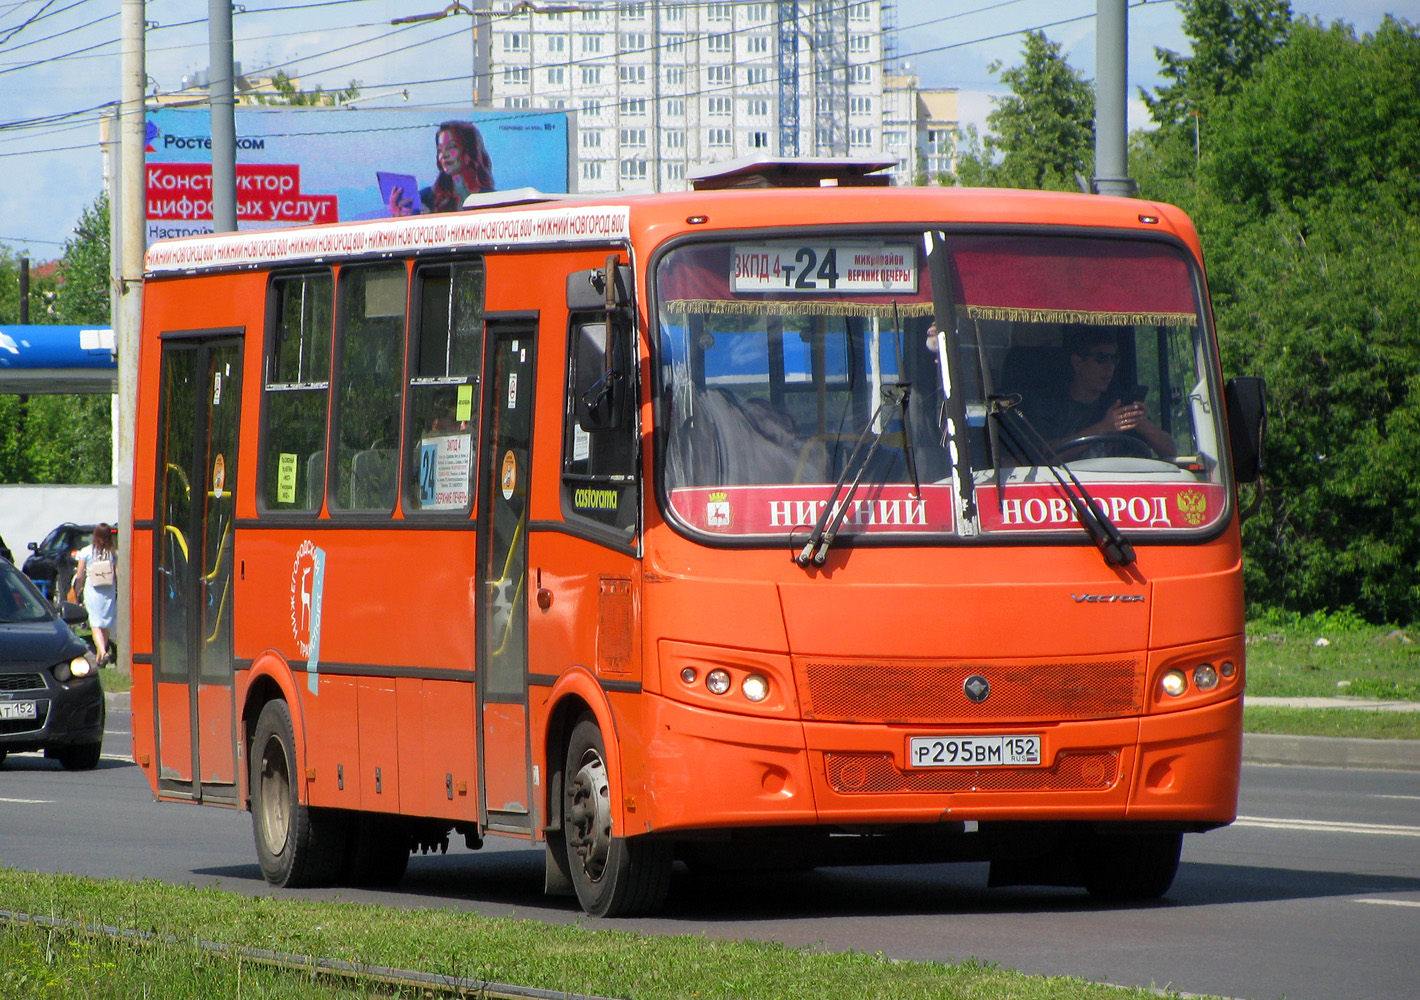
747, 528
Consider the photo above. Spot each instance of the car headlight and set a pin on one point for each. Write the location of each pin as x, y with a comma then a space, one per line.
80, 666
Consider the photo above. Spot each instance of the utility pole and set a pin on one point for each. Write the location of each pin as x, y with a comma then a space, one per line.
1111, 86
482, 17
129, 317
224, 120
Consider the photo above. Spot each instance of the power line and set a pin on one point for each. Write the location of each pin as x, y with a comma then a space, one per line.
813, 73
66, 31
22, 239
543, 112
40, 62
51, 149
39, 15
50, 130
55, 118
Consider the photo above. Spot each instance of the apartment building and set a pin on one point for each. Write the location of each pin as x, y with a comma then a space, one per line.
920, 129
664, 86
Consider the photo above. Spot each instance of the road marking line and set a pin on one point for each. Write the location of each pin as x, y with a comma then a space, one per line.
1407, 798
1318, 826
30, 802
1389, 902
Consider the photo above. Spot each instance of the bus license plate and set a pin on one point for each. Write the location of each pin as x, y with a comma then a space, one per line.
18, 710
974, 751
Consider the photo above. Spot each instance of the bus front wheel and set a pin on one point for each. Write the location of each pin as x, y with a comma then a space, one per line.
296, 845
1132, 866
613, 876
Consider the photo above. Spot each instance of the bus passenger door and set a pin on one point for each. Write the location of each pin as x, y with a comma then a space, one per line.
502, 545
200, 407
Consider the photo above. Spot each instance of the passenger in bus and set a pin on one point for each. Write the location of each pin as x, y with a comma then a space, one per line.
464, 169
1089, 404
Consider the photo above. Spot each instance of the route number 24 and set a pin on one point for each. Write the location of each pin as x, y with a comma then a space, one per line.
811, 270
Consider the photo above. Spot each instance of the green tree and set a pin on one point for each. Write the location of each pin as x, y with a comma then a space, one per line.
1327, 117
1306, 195
84, 296
1040, 137
1230, 38
287, 94
61, 438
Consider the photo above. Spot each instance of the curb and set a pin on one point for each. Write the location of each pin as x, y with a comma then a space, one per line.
1331, 751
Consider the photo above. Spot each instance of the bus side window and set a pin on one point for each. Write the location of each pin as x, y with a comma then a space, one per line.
445, 356
301, 309
599, 466
370, 338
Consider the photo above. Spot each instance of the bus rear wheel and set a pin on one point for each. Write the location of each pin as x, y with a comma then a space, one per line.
296, 845
613, 876
1132, 866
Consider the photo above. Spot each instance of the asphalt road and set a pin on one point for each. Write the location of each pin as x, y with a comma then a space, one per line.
1314, 894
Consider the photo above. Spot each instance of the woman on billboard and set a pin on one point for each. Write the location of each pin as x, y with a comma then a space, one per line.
464, 169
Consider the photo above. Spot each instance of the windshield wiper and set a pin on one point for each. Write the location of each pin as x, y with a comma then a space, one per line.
1106, 534
815, 550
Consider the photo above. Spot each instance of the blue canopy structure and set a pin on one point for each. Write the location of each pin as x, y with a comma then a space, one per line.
54, 359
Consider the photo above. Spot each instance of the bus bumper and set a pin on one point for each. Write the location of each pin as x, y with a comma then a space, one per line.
708, 769
1175, 767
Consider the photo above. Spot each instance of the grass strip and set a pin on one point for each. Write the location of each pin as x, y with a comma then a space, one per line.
1357, 723
48, 964
589, 957
361, 974
1329, 655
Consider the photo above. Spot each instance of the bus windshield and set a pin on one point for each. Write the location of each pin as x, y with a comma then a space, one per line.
790, 370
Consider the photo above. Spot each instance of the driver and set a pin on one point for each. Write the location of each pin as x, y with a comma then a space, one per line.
1086, 407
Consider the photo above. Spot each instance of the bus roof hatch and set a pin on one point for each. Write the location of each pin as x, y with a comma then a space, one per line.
793, 171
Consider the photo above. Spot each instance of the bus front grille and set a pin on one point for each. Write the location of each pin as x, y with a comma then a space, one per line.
933, 691
854, 773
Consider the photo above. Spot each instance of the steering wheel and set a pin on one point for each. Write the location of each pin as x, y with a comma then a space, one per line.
1131, 444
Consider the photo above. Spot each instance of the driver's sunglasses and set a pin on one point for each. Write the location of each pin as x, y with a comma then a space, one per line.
1103, 358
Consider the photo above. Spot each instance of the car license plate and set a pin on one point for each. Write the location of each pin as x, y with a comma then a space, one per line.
18, 710
974, 751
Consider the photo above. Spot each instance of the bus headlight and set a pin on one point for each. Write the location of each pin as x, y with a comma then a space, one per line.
755, 687
717, 681
1205, 677
1175, 683
1227, 669
688, 675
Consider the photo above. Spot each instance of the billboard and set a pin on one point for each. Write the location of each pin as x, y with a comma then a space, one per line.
297, 166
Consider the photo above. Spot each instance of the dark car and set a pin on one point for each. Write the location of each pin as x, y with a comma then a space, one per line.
52, 562
50, 695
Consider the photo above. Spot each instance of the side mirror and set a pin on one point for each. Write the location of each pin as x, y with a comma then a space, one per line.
600, 386
33, 546
587, 291
73, 614
1246, 399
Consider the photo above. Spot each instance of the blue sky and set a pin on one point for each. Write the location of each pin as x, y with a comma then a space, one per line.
60, 58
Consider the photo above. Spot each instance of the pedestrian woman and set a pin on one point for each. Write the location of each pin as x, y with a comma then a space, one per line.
96, 577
